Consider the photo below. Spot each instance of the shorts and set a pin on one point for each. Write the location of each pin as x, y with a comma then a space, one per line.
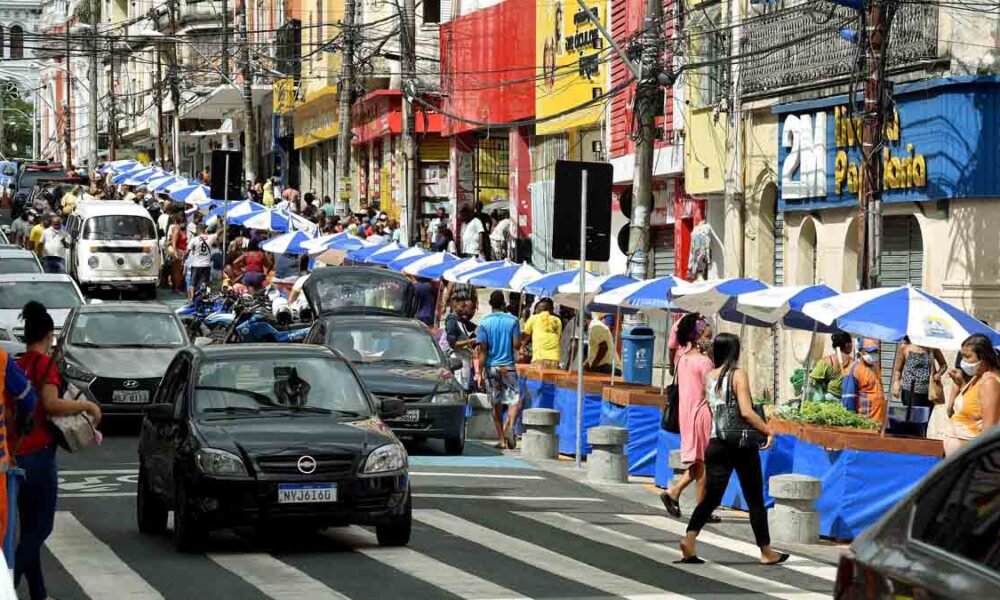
543, 363
253, 279
201, 277
501, 385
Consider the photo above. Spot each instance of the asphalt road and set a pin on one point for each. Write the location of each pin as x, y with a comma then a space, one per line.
488, 526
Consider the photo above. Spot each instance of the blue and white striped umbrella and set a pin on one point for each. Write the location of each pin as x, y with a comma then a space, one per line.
783, 305
407, 258
180, 184
511, 277
236, 210
432, 266
141, 177
648, 294
384, 257
568, 294
548, 285
333, 241
288, 243
712, 296
191, 194
320, 242
890, 313
125, 176
362, 254
461, 272
163, 183
269, 220
153, 182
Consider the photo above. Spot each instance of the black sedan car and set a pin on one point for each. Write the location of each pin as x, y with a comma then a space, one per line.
399, 358
942, 541
269, 434
115, 353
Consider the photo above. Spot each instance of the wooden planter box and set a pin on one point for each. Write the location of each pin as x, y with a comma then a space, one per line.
840, 438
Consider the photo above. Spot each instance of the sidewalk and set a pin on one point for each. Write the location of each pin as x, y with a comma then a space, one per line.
735, 524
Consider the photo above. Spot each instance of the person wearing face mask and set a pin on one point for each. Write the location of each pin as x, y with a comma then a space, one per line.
862, 386
694, 339
974, 402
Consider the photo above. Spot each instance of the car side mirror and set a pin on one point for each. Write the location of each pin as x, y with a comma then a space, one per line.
455, 363
162, 413
391, 408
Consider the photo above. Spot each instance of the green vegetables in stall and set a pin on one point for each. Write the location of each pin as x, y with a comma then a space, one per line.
830, 414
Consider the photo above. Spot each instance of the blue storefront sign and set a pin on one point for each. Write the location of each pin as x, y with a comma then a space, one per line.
939, 144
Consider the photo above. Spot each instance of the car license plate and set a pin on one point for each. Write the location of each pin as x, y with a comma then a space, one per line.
130, 396
411, 416
304, 493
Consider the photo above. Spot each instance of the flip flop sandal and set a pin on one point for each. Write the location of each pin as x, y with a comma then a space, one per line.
782, 557
689, 560
673, 506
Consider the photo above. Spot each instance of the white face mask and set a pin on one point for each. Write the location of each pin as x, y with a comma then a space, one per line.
969, 368
869, 358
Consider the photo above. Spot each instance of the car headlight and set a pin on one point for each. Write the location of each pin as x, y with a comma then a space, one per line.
73, 371
448, 398
219, 462
93, 261
146, 261
391, 457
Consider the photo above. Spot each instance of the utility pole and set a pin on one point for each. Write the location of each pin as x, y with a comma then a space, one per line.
408, 50
346, 89
874, 41
67, 115
92, 85
158, 85
733, 192
113, 112
249, 123
175, 92
645, 107
225, 40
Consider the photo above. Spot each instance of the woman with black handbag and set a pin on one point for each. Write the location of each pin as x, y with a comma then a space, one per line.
739, 433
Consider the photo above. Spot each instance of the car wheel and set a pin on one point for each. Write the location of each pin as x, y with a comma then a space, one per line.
188, 534
454, 446
397, 531
151, 513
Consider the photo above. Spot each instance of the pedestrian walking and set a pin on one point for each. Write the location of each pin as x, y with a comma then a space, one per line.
35, 452
37, 231
425, 294
460, 334
178, 251
694, 337
543, 331
974, 404
473, 233
55, 244
728, 388
200, 251
498, 335
20, 229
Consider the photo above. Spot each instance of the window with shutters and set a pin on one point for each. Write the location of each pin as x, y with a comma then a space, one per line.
432, 11
16, 42
662, 250
902, 263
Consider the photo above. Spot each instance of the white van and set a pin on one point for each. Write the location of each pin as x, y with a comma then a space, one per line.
114, 244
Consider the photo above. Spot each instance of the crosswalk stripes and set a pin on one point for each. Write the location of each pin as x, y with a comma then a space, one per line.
795, 563
543, 558
274, 578
102, 572
98, 571
667, 555
413, 563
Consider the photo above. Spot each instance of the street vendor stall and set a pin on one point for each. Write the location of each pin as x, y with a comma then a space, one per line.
637, 409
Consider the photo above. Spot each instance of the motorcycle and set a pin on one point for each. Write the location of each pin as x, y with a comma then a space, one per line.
206, 314
254, 323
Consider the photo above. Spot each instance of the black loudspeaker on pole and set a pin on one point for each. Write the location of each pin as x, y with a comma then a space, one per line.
227, 174
566, 212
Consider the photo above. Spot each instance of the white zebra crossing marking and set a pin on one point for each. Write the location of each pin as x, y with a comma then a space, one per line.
795, 563
415, 564
274, 578
95, 567
543, 558
667, 555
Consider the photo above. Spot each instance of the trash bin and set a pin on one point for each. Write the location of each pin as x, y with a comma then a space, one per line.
637, 355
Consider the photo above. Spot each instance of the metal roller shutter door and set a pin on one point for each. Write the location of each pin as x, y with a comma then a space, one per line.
662, 250
902, 263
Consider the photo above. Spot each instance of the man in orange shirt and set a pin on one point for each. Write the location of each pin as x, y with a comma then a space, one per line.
871, 401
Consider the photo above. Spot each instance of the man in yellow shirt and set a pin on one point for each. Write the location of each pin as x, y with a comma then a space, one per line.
543, 330
601, 352
69, 200
35, 235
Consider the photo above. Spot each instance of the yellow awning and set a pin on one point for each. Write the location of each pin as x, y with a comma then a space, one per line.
317, 119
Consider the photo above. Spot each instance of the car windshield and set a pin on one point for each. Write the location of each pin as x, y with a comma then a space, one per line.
315, 385
52, 294
374, 343
116, 328
18, 265
119, 227
30, 177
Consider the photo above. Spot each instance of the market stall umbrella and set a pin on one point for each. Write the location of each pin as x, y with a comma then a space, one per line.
242, 208
461, 272
645, 294
361, 254
568, 294
191, 194
783, 306
288, 243
407, 258
432, 266
548, 285
321, 241
164, 183
180, 184
714, 296
384, 257
153, 182
272, 220
141, 177
891, 313
119, 166
120, 178
512, 277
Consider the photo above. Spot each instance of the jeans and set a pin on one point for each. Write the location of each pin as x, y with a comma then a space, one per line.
36, 504
720, 461
54, 264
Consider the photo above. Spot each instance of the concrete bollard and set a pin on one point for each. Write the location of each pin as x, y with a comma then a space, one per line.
540, 439
607, 461
479, 426
677, 466
794, 518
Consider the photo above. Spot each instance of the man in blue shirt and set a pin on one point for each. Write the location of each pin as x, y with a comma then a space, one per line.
498, 334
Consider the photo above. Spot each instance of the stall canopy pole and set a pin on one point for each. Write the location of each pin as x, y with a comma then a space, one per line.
580, 326
805, 384
666, 351
618, 337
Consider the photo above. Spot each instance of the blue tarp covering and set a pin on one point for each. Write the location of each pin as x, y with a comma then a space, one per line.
665, 442
538, 394
643, 425
565, 403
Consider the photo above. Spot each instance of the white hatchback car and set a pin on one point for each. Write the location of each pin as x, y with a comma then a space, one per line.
58, 293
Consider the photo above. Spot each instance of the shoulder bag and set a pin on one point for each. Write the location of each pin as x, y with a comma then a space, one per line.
670, 421
72, 432
730, 425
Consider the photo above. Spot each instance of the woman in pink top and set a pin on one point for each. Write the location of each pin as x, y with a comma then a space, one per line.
694, 341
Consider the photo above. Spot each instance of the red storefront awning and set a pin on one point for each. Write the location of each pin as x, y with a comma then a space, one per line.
381, 112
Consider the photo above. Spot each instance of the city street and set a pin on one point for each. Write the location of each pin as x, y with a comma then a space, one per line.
487, 526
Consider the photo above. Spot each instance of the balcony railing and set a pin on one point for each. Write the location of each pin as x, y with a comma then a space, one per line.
821, 54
